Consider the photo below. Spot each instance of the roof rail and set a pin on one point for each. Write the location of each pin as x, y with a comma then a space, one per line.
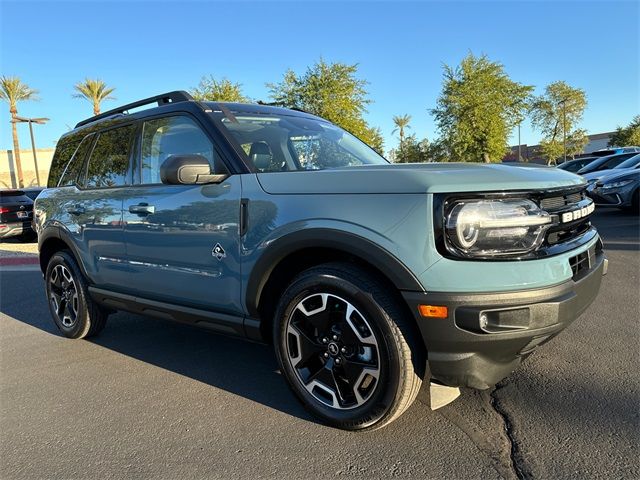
164, 99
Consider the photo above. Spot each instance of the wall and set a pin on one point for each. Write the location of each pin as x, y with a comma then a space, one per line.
9, 176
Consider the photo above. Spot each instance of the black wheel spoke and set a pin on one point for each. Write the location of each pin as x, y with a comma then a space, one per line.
352, 371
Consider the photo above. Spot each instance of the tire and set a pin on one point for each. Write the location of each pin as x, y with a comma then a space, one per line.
74, 312
366, 375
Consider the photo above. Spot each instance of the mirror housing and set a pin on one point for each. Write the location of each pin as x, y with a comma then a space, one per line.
188, 170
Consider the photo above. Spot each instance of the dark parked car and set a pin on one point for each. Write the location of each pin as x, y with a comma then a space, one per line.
574, 165
16, 211
620, 188
279, 226
32, 192
606, 163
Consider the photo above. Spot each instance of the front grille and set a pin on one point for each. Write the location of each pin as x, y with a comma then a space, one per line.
556, 204
560, 201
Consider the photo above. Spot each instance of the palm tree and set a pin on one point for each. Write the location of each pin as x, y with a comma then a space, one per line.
401, 122
95, 91
12, 90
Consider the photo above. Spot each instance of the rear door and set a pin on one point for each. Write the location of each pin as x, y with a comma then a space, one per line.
182, 240
95, 206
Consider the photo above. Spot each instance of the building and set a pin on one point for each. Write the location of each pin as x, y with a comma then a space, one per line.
531, 153
9, 175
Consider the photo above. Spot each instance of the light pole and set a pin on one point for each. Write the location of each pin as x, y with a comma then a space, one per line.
519, 156
31, 121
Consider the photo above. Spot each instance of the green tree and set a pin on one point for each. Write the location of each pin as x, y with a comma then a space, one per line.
331, 91
212, 90
627, 136
477, 109
95, 91
555, 114
410, 150
13, 90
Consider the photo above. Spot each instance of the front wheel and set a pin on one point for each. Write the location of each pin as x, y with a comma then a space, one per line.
347, 348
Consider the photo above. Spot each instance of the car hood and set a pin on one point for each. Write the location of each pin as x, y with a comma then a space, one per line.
618, 174
418, 178
593, 176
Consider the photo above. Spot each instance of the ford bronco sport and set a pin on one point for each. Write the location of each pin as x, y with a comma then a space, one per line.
276, 225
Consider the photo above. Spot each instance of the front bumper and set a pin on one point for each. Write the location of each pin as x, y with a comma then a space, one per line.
487, 335
612, 197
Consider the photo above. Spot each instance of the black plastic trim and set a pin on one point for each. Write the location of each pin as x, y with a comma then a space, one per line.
219, 322
360, 247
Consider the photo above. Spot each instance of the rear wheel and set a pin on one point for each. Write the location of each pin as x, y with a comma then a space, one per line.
346, 348
74, 312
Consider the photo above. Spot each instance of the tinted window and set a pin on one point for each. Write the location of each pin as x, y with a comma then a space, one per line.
60, 160
164, 137
72, 173
109, 162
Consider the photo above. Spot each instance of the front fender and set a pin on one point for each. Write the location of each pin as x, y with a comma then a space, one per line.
325, 237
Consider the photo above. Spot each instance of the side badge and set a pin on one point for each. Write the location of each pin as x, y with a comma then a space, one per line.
218, 252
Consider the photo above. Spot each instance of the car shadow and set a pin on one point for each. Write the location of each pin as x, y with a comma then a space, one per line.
237, 366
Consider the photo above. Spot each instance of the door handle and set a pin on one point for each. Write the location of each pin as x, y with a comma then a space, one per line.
76, 210
142, 209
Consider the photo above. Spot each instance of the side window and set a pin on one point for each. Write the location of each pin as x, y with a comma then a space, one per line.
163, 137
61, 158
109, 162
73, 171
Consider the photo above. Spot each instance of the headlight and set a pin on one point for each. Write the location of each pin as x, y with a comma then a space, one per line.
479, 228
622, 183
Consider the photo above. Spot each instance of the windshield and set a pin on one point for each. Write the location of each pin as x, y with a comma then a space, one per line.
630, 162
278, 143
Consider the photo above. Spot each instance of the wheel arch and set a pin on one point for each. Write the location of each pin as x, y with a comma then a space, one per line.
53, 240
289, 255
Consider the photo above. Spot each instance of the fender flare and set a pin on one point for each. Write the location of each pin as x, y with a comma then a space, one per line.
60, 234
349, 243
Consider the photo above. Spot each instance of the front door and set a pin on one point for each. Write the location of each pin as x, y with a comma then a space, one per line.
182, 241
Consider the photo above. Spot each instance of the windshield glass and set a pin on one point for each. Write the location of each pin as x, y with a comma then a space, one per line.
630, 162
277, 143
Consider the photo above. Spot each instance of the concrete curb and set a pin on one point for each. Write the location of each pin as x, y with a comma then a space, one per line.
15, 261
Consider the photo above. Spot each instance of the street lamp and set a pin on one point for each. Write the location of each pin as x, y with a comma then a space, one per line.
31, 121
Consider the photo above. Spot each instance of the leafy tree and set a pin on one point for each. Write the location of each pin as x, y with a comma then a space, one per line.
95, 91
13, 90
410, 150
627, 136
213, 90
478, 107
556, 112
401, 122
331, 91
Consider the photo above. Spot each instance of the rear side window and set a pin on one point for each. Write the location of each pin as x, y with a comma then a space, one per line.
71, 174
61, 158
109, 162
164, 137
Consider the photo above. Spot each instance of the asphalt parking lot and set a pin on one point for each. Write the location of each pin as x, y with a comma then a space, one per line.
153, 399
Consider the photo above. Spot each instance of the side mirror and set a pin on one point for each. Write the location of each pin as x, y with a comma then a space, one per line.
188, 170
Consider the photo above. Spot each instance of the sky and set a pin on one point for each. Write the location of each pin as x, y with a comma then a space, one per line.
148, 47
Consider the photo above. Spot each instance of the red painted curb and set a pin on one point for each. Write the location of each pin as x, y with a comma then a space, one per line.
12, 261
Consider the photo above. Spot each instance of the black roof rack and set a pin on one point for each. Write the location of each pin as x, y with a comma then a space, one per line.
165, 98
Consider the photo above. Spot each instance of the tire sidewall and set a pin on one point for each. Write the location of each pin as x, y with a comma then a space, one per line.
386, 391
82, 324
